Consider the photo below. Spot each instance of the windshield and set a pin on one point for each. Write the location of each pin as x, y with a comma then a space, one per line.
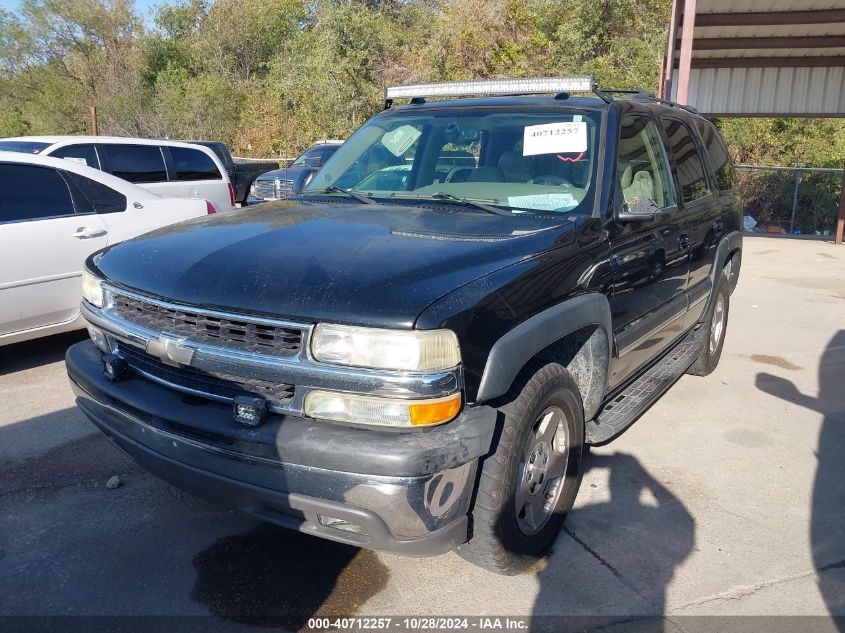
519, 160
317, 154
24, 147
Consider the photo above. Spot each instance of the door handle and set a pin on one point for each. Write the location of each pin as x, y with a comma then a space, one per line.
84, 233
683, 241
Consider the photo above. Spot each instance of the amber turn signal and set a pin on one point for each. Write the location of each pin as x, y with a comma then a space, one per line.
436, 412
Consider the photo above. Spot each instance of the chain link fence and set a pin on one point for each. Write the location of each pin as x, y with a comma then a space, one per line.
790, 200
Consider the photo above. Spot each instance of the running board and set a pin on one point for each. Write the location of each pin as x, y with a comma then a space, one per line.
623, 410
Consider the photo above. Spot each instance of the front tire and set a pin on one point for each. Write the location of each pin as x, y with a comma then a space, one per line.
529, 483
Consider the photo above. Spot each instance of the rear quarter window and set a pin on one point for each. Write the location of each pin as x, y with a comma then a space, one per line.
136, 163
95, 196
193, 164
24, 147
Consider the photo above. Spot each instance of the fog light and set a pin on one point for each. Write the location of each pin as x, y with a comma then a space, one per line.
99, 338
114, 367
250, 411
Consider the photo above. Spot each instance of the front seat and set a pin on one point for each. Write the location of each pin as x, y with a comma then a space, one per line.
515, 167
637, 184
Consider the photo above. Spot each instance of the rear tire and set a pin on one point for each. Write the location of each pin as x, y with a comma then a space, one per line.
712, 331
529, 483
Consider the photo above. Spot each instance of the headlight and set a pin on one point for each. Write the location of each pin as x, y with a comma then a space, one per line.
347, 407
406, 350
92, 289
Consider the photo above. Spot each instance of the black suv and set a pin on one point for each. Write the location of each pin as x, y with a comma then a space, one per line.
416, 353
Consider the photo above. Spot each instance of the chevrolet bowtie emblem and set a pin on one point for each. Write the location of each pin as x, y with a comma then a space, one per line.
170, 350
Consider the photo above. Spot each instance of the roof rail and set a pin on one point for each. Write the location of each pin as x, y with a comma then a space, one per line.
643, 95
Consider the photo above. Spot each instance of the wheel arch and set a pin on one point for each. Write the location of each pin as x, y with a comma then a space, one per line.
728, 253
575, 333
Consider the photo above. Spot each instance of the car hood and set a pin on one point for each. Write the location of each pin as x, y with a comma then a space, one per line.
285, 173
378, 265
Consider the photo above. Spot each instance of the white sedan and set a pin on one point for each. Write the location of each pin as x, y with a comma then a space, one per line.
53, 214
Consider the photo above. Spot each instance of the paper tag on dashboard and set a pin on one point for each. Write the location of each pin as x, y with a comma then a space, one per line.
544, 202
74, 159
399, 140
555, 138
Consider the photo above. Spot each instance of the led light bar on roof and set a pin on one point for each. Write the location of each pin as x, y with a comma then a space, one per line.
487, 87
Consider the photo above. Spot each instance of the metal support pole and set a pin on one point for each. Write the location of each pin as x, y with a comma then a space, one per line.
685, 61
669, 60
795, 202
840, 220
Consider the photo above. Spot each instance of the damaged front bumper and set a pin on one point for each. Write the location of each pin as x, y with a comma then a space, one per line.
405, 491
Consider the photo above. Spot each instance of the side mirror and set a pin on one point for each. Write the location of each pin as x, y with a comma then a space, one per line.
642, 209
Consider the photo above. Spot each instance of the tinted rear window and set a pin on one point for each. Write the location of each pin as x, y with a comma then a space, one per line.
32, 193
717, 153
691, 176
136, 163
24, 147
192, 164
96, 196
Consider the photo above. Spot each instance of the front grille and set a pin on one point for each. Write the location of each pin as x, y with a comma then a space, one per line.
285, 188
208, 382
265, 189
213, 330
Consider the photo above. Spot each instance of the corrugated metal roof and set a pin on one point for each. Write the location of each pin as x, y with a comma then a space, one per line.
770, 52
817, 89
772, 30
747, 6
768, 91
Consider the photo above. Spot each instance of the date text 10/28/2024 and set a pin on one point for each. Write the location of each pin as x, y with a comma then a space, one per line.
422, 623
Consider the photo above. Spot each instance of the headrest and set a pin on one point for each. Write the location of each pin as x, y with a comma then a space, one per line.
515, 165
627, 176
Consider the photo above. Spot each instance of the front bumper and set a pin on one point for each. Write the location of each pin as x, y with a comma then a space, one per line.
405, 491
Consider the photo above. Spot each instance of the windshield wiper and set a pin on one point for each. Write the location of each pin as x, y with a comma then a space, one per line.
358, 196
476, 203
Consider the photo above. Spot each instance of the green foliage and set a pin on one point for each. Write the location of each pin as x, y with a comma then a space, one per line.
789, 142
271, 76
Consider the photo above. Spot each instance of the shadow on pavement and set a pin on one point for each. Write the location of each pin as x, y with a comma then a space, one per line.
273, 577
639, 536
827, 524
58, 520
40, 351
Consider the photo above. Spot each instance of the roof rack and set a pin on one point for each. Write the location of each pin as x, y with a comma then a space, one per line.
490, 87
642, 95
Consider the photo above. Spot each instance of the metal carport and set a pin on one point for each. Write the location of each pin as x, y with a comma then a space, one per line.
764, 58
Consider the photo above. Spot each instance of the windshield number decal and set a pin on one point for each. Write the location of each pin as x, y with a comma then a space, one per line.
555, 138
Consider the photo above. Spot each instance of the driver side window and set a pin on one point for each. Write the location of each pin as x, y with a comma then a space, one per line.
642, 169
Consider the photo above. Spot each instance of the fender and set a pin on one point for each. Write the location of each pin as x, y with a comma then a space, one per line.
730, 242
513, 350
